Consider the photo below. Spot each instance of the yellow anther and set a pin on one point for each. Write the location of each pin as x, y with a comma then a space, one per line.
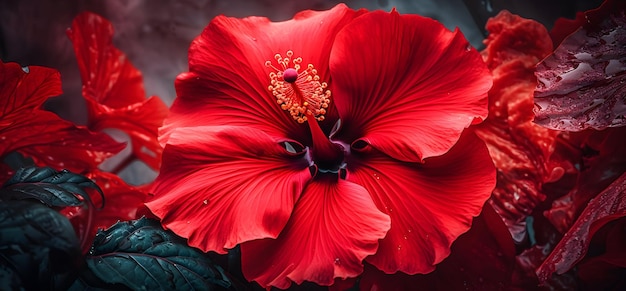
298, 92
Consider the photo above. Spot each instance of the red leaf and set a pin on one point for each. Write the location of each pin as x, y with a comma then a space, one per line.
605, 269
582, 84
608, 205
601, 159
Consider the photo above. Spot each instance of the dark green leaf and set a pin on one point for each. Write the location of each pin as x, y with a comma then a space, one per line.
16, 160
141, 255
39, 249
87, 281
54, 188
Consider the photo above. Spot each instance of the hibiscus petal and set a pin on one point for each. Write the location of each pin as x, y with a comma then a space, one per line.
40, 134
220, 186
228, 80
430, 204
139, 120
25, 89
334, 226
482, 259
108, 77
406, 85
113, 88
52, 141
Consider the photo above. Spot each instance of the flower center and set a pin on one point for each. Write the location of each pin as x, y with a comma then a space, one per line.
297, 91
306, 98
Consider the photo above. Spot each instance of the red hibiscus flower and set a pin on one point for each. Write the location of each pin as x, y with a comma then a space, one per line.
42, 135
113, 89
322, 141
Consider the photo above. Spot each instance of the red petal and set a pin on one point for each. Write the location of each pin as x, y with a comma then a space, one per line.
228, 79
220, 186
406, 85
481, 259
122, 201
520, 149
611, 203
108, 77
334, 226
430, 204
59, 143
581, 85
21, 92
43, 135
139, 120
114, 90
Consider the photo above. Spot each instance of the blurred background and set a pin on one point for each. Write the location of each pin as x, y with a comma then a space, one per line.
155, 34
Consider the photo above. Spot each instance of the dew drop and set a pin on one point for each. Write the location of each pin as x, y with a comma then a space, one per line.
468, 48
337, 261
406, 237
205, 202
409, 230
399, 247
26, 69
188, 222
254, 39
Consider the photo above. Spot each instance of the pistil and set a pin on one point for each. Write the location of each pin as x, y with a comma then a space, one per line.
300, 92
326, 154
